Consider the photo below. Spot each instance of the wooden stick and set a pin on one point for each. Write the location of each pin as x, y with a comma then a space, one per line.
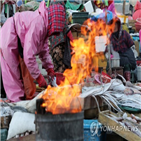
123, 10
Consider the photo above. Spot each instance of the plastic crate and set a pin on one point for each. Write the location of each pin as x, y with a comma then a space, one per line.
93, 131
80, 17
4, 133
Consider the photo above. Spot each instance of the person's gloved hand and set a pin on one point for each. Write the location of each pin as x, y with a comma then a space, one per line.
51, 73
41, 81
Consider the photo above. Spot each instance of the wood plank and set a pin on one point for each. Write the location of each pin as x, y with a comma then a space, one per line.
25, 138
117, 128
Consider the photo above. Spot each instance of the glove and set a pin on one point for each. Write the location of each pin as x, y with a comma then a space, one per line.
51, 73
41, 81
59, 78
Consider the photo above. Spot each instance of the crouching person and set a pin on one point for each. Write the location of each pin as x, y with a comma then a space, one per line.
121, 43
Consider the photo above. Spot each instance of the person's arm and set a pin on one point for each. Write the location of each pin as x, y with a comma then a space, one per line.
46, 59
31, 44
45, 56
33, 38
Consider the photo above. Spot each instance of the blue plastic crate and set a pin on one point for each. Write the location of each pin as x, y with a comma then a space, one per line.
93, 131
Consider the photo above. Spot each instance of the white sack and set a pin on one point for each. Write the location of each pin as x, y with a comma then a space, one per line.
20, 123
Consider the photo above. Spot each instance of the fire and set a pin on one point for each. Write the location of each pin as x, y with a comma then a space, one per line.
65, 97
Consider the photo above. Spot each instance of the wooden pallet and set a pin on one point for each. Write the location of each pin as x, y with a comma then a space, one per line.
116, 127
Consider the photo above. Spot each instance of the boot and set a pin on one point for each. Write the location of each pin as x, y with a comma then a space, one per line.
127, 75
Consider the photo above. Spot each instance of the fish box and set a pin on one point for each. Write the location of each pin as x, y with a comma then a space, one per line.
116, 127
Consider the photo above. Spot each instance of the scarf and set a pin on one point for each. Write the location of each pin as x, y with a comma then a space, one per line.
56, 19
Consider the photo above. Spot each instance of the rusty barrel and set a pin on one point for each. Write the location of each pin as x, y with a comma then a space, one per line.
60, 127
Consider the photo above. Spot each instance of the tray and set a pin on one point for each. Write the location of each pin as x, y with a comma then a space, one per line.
113, 125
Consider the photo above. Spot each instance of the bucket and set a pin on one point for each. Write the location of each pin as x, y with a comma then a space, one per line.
115, 62
60, 127
139, 73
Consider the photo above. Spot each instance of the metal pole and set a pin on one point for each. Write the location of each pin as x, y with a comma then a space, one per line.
123, 10
109, 49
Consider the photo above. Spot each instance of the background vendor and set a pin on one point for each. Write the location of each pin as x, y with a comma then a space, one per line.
121, 42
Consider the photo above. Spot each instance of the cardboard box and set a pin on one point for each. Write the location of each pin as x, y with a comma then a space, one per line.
137, 46
102, 61
132, 23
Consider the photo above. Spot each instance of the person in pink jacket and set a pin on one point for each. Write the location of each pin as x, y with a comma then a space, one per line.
33, 30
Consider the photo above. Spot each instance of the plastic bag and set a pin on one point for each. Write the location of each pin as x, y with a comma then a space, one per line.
29, 85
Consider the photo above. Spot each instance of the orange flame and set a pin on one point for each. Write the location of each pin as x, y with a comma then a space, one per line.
65, 97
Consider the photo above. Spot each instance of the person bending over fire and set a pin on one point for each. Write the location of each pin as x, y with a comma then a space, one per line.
26, 34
